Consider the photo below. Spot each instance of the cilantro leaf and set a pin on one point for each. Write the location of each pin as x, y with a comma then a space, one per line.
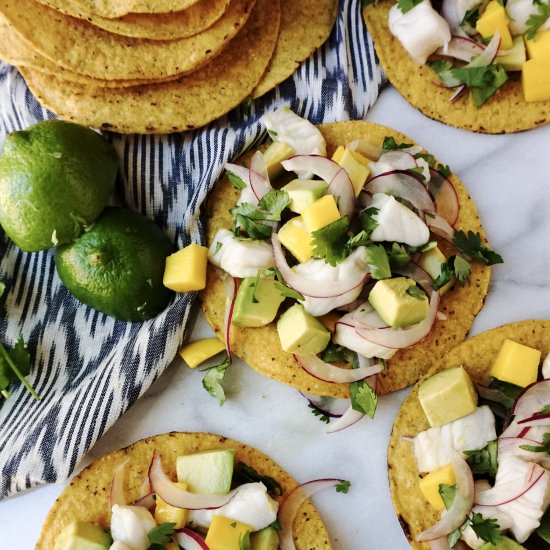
363, 398
389, 142
329, 242
361, 239
470, 244
444, 170
162, 533
482, 81
470, 17
368, 223
274, 202
213, 379
545, 410
398, 256
454, 266
2, 288
287, 292
537, 20
544, 529
343, 486
486, 529
484, 461
416, 292
249, 474
237, 182
334, 353
544, 448
244, 541
509, 392
15, 364
448, 493
316, 411
377, 259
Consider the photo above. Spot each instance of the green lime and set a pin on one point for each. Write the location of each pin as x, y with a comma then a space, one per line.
55, 179
117, 266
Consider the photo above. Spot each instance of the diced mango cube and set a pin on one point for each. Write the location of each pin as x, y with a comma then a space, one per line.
197, 352
274, 155
431, 262
516, 364
296, 238
539, 46
186, 269
226, 534
492, 19
320, 213
536, 79
429, 485
172, 546
355, 164
166, 513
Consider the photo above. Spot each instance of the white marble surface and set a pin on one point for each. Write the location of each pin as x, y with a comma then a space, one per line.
509, 178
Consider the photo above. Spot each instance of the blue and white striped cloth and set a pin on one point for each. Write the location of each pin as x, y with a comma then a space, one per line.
89, 368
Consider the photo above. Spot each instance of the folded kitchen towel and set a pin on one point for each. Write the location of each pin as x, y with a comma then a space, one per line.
89, 368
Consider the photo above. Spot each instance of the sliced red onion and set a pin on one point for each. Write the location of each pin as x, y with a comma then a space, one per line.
231, 288
307, 287
532, 400
329, 406
418, 275
398, 338
342, 189
190, 540
349, 418
508, 492
335, 375
457, 93
147, 501
461, 48
441, 543
489, 53
440, 226
404, 185
399, 160
535, 420
320, 166
372, 152
367, 317
259, 177
291, 504
461, 506
445, 197
241, 172
178, 497
117, 494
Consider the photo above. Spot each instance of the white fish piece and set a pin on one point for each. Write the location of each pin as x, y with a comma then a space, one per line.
130, 525
397, 223
251, 505
319, 270
433, 447
399, 160
238, 257
118, 545
518, 12
421, 30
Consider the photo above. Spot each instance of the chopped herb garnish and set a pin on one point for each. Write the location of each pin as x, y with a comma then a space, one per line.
213, 379
484, 461
444, 170
237, 182
244, 542
448, 493
329, 242
398, 256
454, 266
316, 411
249, 474
361, 239
509, 392
377, 259
486, 529
416, 292
363, 398
162, 533
334, 353
389, 142
343, 486
15, 363
368, 223
544, 448
470, 17
483, 82
470, 244
537, 20
272, 133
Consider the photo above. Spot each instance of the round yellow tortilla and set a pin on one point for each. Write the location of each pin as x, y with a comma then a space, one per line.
184, 104
157, 26
87, 497
304, 27
476, 355
505, 112
82, 48
119, 8
260, 347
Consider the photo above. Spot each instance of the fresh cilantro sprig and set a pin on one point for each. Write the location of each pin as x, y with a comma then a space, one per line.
537, 20
162, 533
237, 182
249, 474
278, 284
486, 529
543, 448
483, 82
316, 411
329, 242
389, 142
212, 381
509, 392
470, 17
455, 266
378, 261
448, 493
363, 398
343, 486
471, 245
484, 461
368, 223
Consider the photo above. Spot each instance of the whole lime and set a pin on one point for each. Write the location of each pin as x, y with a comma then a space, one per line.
55, 179
117, 266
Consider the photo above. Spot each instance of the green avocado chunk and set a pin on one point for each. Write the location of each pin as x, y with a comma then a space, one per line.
301, 333
207, 473
304, 192
81, 535
266, 539
250, 313
504, 543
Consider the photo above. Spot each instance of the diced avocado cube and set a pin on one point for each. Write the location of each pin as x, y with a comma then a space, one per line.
431, 262
81, 535
429, 485
515, 58
274, 155
303, 192
296, 239
447, 396
516, 364
492, 19
226, 533
535, 78
257, 302
207, 473
301, 333
539, 45
355, 164
265, 539
197, 352
320, 213
185, 270
399, 302
166, 513
503, 543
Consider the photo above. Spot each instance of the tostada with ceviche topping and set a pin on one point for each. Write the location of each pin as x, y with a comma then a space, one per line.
338, 246
191, 490
479, 65
468, 455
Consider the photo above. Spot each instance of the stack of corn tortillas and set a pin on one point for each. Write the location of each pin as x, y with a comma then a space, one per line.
137, 66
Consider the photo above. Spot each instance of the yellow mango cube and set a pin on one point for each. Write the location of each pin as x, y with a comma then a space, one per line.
429, 485
197, 352
536, 79
186, 269
226, 534
320, 213
516, 364
296, 238
355, 164
166, 513
539, 46
492, 19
